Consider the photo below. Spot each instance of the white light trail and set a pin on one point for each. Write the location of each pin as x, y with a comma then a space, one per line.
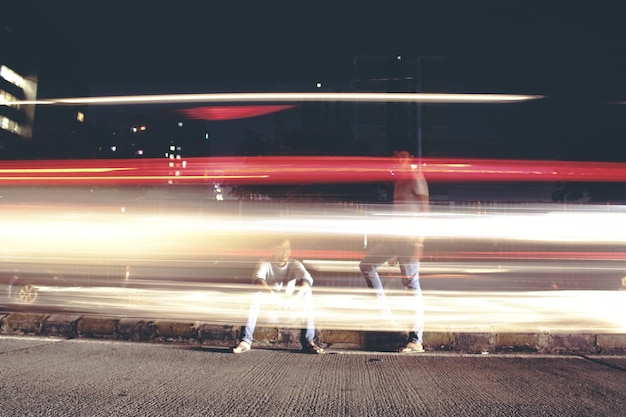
286, 97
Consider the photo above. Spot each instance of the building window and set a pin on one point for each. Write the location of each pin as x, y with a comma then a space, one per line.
10, 125
7, 98
12, 76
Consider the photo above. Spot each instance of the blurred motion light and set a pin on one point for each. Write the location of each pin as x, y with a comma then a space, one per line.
289, 97
219, 113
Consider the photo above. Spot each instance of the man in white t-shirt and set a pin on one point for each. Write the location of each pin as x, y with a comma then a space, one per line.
283, 282
410, 197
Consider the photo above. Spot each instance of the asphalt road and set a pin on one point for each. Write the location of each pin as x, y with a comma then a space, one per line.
59, 377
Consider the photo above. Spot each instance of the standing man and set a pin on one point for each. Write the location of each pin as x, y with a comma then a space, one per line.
410, 195
283, 283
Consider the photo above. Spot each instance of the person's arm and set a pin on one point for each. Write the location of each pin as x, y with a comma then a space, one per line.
303, 278
304, 287
260, 276
263, 283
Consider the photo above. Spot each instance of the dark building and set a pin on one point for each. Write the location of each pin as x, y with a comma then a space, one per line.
320, 128
37, 61
378, 128
18, 82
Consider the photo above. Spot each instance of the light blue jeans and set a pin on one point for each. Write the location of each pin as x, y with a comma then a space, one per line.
402, 250
304, 310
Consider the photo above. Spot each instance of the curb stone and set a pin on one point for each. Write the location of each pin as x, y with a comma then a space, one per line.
98, 327
160, 331
61, 325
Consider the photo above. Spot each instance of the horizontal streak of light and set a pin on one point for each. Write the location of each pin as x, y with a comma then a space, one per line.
299, 170
356, 309
285, 97
586, 225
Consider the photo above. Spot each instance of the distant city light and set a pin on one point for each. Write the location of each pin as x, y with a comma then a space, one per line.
134, 129
180, 124
80, 116
114, 148
399, 57
319, 85
142, 128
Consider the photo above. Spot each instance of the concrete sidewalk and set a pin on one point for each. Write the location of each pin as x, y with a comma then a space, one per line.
204, 334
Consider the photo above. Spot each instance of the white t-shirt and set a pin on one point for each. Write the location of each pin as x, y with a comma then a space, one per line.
282, 277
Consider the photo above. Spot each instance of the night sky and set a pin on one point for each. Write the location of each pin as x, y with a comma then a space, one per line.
492, 46
575, 54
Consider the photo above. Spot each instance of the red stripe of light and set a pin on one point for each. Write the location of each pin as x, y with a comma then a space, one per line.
296, 169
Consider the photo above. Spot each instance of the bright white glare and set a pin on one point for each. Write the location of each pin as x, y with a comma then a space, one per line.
290, 97
169, 245
356, 308
534, 225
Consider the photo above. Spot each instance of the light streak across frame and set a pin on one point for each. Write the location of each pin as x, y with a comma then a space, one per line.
285, 97
299, 170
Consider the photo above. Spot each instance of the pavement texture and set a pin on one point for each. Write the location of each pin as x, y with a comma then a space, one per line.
42, 376
71, 326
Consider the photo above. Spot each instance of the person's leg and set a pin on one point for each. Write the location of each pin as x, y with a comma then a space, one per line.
409, 269
247, 331
307, 334
378, 255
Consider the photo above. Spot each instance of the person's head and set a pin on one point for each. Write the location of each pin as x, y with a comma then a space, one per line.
281, 251
403, 158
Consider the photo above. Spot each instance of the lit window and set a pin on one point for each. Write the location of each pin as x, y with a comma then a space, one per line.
80, 116
134, 129
142, 128
7, 98
172, 148
114, 148
12, 76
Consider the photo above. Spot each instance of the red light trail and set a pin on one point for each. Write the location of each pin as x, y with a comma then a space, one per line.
297, 170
